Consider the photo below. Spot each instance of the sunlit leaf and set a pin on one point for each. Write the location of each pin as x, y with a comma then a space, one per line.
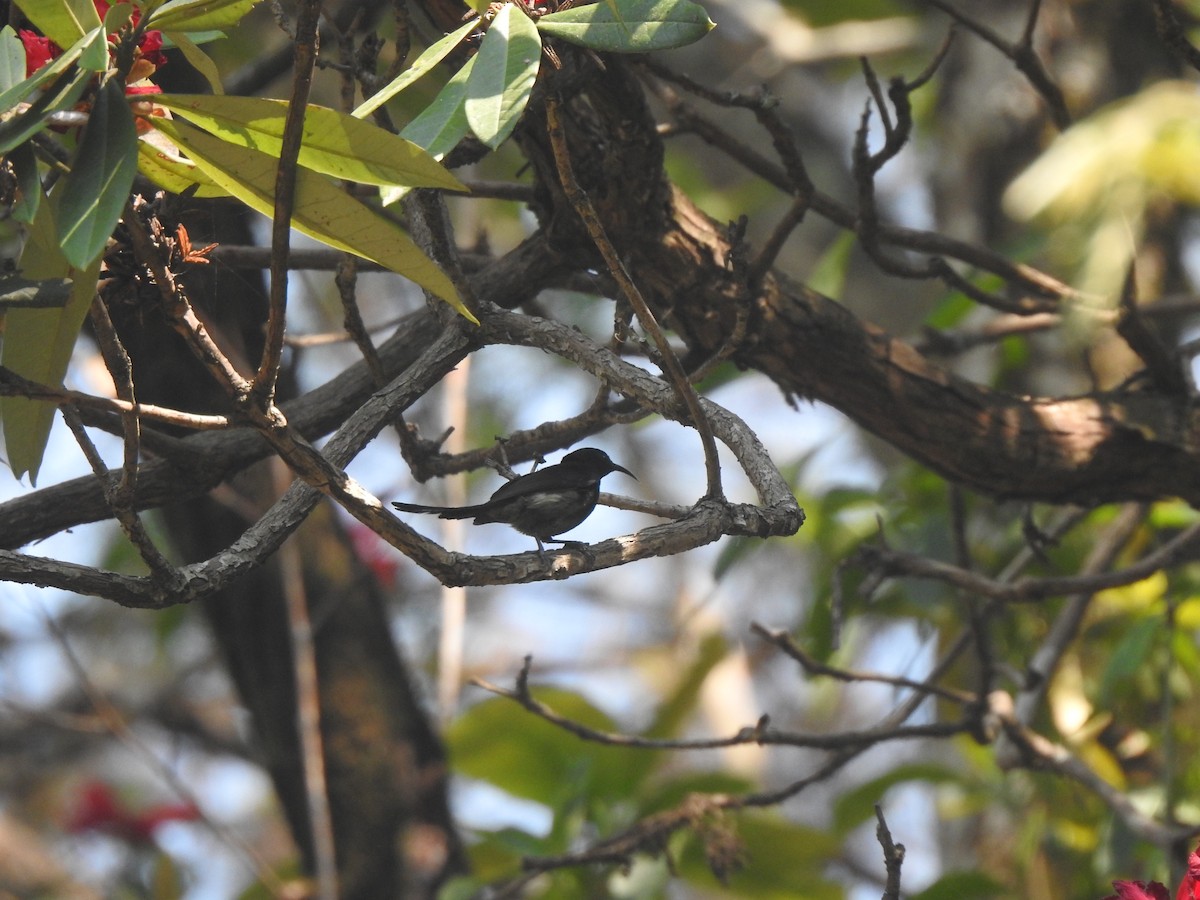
63, 21
333, 142
322, 210
102, 170
424, 63
639, 27
38, 343
160, 161
200, 15
502, 79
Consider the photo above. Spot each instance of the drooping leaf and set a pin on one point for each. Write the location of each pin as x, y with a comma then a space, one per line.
433, 55
200, 15
334, 143
38, 343
16, 290
322, 210
197, 58
502, 78
101, 176
12, 59
63, 21
636, 26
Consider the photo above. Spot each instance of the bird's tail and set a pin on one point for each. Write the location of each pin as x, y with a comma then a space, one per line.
442, 512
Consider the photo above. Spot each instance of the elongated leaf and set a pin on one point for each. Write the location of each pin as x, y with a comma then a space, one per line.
433, 55
503, 76
38, 343
443, 123
334, 143
12, 60
439, 127
200, 15
639, 27
199, 60
159, 160
102, 171
322, 210
23, 90
63, 21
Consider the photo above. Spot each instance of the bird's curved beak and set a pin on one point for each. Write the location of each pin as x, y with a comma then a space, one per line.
617, 468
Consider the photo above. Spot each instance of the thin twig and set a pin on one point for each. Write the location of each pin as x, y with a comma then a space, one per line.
304, 59
629, 290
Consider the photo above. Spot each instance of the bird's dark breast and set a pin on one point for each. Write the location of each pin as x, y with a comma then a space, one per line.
545, 513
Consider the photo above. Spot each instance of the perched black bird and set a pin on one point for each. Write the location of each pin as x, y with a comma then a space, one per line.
541, 504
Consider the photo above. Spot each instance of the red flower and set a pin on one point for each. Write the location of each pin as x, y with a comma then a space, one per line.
1139, 890
38, 50
1189, 888
100, 810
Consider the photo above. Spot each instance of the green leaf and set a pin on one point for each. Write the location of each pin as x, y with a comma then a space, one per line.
38, 343
34, 293
858, 805
63, 21
200, 15
828, 276
12, 59
322, 210
499, 742
159, 160
199, 60
970, 885
639, 27
433, 55
333, 142
102, 170
443, 123
502, 79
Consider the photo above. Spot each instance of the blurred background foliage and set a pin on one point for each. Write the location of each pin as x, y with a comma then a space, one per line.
664, 648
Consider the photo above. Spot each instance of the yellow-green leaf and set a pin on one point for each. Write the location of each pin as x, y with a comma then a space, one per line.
334, 143
200, 15
322, 210
63, 21
38, 343
159, 160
